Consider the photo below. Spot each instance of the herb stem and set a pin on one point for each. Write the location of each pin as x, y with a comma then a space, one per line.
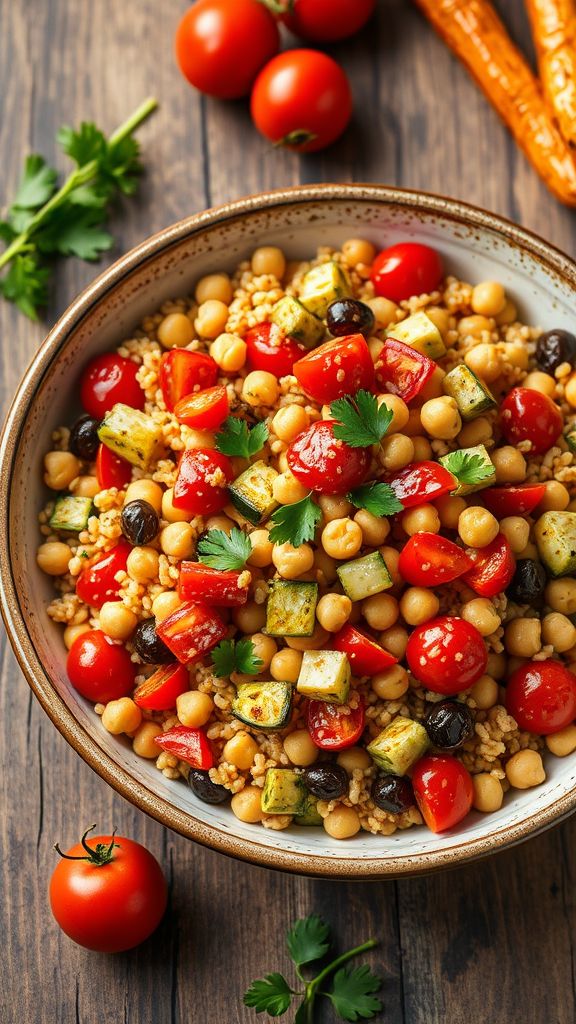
317, 981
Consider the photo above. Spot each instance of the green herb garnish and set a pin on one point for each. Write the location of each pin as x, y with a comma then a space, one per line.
235, 438
295, 524
235, 656
379, 499
468, 468
361, 422
220, 550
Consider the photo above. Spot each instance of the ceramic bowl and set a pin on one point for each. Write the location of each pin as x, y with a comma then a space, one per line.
475, 246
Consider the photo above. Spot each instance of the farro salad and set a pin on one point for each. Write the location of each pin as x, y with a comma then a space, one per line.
314, 541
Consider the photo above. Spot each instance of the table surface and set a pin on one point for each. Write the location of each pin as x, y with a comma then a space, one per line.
493, 941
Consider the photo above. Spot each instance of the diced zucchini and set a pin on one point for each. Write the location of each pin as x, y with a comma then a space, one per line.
570, 438
131, 434
263, 705
284, 792
251, 492
71, 512
470, 394
464, 488
294, 319
364, 576
555, 534
323, 285
309, 815
291, 608
325, 675
419, 332
399, 745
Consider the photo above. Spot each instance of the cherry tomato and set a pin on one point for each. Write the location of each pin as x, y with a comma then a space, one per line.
421, 482
493, 568
269, 349
430, 560
111, 470
519, 500
333, 727
203, 410
183, 372
528, 415
202, 483
222, 44
446, 654
111, 896
323, 463
541, 696
339, 367
160, 690
109, 379
190, 745
96, 584
325, 21
100, 669
191, 631
220, 587
406, 269
366, 657
301, 100
402, 370
443, 790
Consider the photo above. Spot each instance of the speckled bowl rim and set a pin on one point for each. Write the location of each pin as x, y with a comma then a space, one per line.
135, 792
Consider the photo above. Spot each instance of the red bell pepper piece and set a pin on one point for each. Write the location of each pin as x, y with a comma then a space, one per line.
421, 482
96, 584
182, 372
191, 631
222, 587
339, 367
160, 690
429, 560
190, 745
402, 370
493, 568
518, 500
111, 470
366, 657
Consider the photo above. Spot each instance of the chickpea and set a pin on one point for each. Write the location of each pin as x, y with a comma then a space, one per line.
246, 805
268, 259
300, 748
542, 382
390, 684
477, 526
177, 540
342, 823
143, 742
285, 665
488, 792
440, 418
510, 465
530, 551
53, 557
488, 298
478, 431
481, 614
200, 438
570, 391
560, 595
358, 251
170, 513
375, 529
354, 759
484, 360
61, 468
449, 509
397, 451
380, 611
484, 693
385, 311
260, 388
282, 463
319, 639
229, 352
422, 447
522, 637
86, 487
399, 410
375, 346
145, 490
240, 751
164, 604
525, 769
440, 318
473, 326
142, 564
262, 548
71, 633
556, 498
558, 631
265, 647
391, 558
117, 621
563, 742
286, 489
214, 286
175, 331
508, 314
417, 605
422, 519
219, 523
211, 319
121, 716
433, 388
249, 617
290, 421
395, 640
291, 562
194, 708
516, 353
333, 611
334, 506
342, 538
496, 665
517, 532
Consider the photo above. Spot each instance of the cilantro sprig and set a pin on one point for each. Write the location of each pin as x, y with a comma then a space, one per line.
220, 550
235, 656
361, 421
377, 498
468, 467
351, 991
295, 524
45, 221
235, 438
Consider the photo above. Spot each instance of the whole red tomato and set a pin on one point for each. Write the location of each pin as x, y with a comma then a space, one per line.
323, 463
96, 584
109, 379
446, 654
100, 669
406, 269
222, 44
268, 348
109, 896
443, 790
301, 100
325, 21
541, 696
528, 415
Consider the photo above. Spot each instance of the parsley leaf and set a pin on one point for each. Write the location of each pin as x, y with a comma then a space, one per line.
81, 236
468, 467
295, 524
37, 185
26, 284
235, 656
379, 499
82, 144
351, 993
222, 551
308, 939
271, 994
235, 438
361, 422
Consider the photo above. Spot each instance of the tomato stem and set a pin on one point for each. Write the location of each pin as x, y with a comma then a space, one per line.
298, 137
98, 855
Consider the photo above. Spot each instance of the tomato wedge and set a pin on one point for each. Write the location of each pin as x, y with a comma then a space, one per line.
203, 410
443, 790
492, 567
201, 486
268, 348
334, 726
323, 463
222, 587
160, 690
541, 696
339, 367
96, 584
519, 500
191, 631
430, 560
366, 657
190, 745
402, 370
182, 372
111, 470
421, 482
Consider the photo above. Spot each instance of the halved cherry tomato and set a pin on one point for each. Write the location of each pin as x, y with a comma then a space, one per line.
160, 690
203, 410
493, 567
446, 654
268, 348
366, 657
430, 560
323, 463
190, 745
96, 584
443, 790
334, 727
325, 21
528, 415
183, 372
191, 631
111, 470
220, 587
541, 696
421, 482
100, 669
406, 269
202, 483
402, 370
339, 367
109, 379
519, 500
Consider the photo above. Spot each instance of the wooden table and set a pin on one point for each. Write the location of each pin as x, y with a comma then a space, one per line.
493, 942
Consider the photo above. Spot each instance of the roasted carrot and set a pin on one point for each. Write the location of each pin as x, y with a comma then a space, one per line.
554, 30
474, 32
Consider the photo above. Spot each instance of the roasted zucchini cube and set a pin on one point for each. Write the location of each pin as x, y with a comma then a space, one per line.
570, 438
284, 792
294, 320
399, 745
323, 285
464, 488
325, 675
131, 434
291, 608
309, 815
419, 332
251, 492
555, 534
263, 705
71, 512
364, 576
471, 395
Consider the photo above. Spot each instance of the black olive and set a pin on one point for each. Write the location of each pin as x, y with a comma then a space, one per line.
84, 441
554, 348
148, 644
349, 316
140, 522
392, 793
528, 582
449, 724
202, 786
326, 781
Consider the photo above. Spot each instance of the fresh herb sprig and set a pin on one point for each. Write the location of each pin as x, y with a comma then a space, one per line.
295, 524
235, 656
361, 421
220, 550
351, 991
468, 467
236, 439
377, 498
45, 221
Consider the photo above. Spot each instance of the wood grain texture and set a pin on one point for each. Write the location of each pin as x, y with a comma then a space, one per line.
491, 942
